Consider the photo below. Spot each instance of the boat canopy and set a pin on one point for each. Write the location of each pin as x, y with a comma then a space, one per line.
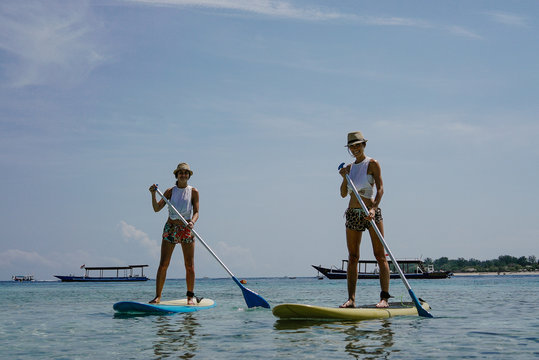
114, 267
129, 268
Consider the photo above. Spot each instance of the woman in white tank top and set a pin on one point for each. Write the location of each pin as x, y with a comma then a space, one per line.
185, 199
366, 175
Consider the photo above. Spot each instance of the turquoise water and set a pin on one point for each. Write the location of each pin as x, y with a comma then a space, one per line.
479, 317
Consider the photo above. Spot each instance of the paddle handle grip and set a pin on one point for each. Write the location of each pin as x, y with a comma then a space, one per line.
193, 231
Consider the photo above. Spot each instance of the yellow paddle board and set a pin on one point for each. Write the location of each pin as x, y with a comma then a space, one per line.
311, 312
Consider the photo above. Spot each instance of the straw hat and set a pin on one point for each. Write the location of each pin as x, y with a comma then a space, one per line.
183, 166
355, 137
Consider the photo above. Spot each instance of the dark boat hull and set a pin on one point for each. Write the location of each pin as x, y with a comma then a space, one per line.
99, 279
341, 274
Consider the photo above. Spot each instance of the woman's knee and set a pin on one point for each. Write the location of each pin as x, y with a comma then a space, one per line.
164, 263
353, 258
190, 268
381, 259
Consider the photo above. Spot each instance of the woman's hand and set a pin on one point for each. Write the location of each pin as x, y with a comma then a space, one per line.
371, 215
344, 171
153, 188
191, 224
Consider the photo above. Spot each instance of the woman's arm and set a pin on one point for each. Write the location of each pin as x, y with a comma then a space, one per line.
158, 205
344, 185
195, 202
376, 172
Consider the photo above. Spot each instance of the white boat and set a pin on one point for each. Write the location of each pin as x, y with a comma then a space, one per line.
22, 278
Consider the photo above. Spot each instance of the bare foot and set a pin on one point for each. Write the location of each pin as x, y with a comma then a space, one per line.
156, 300
382, 304
348, 304
190, 301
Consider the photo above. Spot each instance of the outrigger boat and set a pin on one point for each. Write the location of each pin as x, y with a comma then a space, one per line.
412, 269
126, 276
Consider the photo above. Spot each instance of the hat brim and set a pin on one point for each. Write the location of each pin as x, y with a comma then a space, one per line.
176, 172
356, 142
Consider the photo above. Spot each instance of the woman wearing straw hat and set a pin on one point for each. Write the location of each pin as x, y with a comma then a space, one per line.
185, 199
366, 175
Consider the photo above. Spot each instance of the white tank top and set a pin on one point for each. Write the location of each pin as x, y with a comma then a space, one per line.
181, 199
364, 183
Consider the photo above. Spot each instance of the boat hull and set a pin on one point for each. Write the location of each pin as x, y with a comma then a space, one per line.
99, 279
341, 274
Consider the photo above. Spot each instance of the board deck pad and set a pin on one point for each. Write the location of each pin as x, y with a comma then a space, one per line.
365, 312
164, 307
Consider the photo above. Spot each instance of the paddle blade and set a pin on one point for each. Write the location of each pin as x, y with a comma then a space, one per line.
420, 310
252, 299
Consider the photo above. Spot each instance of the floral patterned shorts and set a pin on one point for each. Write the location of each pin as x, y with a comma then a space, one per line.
176, 234
356, 219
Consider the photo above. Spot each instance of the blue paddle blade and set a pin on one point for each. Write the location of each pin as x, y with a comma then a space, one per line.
251, 298
420, 310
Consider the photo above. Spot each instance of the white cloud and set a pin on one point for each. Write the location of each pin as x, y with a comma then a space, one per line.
461, 31
236, 256
131, 233
13, 257
281, 9
393, 21
284, 9
507, 18
48, 42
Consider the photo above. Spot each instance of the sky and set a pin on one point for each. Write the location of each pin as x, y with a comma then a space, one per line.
101, 99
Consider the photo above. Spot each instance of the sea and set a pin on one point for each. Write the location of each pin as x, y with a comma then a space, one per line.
475, 317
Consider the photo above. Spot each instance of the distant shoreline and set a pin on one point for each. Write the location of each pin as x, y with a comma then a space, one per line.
502, 273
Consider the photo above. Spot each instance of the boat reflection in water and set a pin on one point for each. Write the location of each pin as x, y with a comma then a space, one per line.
368, 269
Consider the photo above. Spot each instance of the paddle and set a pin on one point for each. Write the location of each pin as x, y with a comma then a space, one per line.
420, 310
251, 298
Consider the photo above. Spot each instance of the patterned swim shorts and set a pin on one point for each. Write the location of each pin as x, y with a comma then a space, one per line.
356, 219
176, 234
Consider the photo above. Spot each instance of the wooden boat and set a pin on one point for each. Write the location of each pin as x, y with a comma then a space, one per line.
126, 276
368, 269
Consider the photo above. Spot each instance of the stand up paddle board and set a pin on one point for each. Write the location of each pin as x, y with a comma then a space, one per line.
366, 312
164, 307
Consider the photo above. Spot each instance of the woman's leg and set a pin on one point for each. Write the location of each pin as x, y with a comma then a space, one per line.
380, 255
166, 253
189, 262
353, 240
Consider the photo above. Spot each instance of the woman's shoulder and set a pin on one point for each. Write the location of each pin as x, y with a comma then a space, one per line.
168, 192
373, 163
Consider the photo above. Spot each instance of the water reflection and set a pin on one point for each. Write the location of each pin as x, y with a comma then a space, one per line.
176, 335
368, 344
362, 340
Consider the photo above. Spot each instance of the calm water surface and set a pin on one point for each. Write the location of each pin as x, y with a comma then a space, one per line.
479, 317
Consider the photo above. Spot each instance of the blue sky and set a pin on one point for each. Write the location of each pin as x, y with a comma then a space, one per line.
100, 99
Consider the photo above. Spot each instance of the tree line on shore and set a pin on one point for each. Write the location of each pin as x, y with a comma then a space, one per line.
501, 264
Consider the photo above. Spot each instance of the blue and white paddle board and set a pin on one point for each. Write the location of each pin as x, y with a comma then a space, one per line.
164, 307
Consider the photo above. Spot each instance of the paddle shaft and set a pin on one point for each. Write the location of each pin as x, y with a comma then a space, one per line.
195, 233
420, 310
251, 298
378, 232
